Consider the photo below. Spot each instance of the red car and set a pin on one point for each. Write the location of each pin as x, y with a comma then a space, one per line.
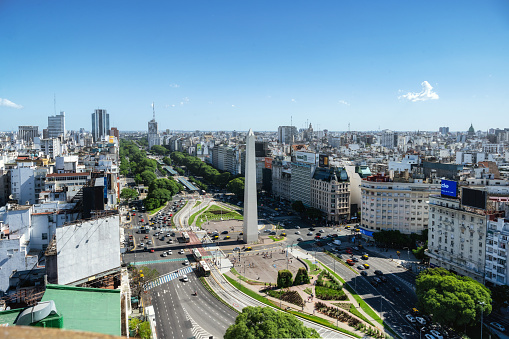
151, 250
348, 252
134, 213
141, 220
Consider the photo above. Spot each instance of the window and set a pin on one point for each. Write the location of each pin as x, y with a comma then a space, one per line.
45, 236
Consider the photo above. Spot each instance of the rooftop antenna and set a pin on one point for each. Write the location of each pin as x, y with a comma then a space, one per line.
153, 111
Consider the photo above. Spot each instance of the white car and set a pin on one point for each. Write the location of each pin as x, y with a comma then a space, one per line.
310, 233
410, 318
185, 278
164, 254
436, 334
170, 252
167, 234
322, 231
298, 232
181, 252
297, 227
498, 326
300, 239
186, 262
420, 320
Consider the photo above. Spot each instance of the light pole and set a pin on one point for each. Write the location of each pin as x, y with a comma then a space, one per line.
482, 311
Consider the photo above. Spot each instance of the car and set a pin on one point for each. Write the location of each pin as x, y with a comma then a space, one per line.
141, 220
224, 232
149, 242
134, 214
248, 249
356, 248
360, 267
164, 254
378, 272
146, 237
173, 234
366, 266
311, 229
151, 250
397, 289
186, 262
141, 244
272, 233
300, 239
227, 237
429, 336
322, 231
185, 278
348, 252
310, 233
355, 259
498, 326
377, 280
383, 279
297, 227
420, 320
167, 234
365, 257
410, 318
181, 251
436, 334
373, 282
364, 273
169, 241
170, 252
297, 232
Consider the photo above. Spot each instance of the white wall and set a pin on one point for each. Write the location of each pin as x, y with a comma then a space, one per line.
87, 248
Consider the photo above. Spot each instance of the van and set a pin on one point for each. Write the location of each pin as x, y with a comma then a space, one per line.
366, 266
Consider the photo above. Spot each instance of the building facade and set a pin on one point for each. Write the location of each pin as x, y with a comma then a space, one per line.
28, 133
497, 251
100, 124
389, 205
286, 134
330, 193
56, 126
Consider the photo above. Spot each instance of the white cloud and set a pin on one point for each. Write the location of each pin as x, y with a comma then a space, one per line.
293, 100
184, 101
8, 103
426, 94
174, 85
344, 102
233, 105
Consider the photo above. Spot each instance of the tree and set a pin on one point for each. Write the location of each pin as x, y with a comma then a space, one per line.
314, 213
298, 206
301, 277
160, 150
284, 278
236, 186
453, 300
420, 252
148, 176
223, 179
128, 194
263, 322
167, 161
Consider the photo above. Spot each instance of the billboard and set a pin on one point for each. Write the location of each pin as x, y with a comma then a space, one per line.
112, 140
323, 160
198, 148
449, 188
473, 198
307, 157
268, 163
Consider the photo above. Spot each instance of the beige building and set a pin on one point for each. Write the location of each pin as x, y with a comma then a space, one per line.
395, 205
330, 193
457, 237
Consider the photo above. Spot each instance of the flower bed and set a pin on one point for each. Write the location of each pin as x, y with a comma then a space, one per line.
288, 296
337, 313
326, 293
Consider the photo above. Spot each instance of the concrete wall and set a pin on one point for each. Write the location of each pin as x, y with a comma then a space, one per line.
87, 248
13, 257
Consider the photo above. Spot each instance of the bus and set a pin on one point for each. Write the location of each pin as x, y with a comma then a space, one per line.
204, 269
196, 254
185, 236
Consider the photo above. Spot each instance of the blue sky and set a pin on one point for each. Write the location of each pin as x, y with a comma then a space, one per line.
235, 65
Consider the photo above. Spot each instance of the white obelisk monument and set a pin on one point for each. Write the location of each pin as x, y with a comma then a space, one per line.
250, 200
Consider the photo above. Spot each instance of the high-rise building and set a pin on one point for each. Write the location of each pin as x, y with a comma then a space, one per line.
100, 124
286, 134
443, 130
28, 133
56, 125
389, 139
153, 135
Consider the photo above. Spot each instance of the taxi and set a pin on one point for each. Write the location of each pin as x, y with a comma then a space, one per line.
365, 257
366, 266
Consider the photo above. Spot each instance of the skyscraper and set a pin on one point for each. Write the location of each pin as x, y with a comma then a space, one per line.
100, 124
153, 136
28, 133
56, 125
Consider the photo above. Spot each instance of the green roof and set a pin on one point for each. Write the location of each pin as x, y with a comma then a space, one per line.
8, 317
86, 309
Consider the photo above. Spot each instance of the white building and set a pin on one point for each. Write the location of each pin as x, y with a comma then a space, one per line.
389, 205
497, 251
51, 147
56, 126
330, 193
27, 181
286, 134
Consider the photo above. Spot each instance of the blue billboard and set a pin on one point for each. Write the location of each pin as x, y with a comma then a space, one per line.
449, 188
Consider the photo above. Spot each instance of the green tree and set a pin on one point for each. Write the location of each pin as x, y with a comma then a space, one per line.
148, 176
167, 161
453, 300
160, 150
128, 194
284, 278
223, 179
420, 252
298, 206
314, 213
301, 277
236, 186
263, 322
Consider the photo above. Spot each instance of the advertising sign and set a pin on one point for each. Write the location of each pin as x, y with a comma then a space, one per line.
307, 157
323, 160
449, 188
112, 140
473, 198
268, 163
198, 148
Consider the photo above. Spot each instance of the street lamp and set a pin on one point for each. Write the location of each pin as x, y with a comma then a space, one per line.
482, 311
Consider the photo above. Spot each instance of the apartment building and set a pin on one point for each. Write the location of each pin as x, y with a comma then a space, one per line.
457, 237
497, 250
281, 178
330, 193
387, 204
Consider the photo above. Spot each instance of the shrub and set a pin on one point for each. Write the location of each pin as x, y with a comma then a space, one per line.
284, 278
326, 293
301, 277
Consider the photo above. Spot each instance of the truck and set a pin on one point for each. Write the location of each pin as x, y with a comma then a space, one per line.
350, 262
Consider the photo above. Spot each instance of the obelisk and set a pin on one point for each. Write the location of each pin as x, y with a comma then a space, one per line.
250, 201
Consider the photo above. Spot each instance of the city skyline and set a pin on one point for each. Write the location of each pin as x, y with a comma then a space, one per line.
398, 66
